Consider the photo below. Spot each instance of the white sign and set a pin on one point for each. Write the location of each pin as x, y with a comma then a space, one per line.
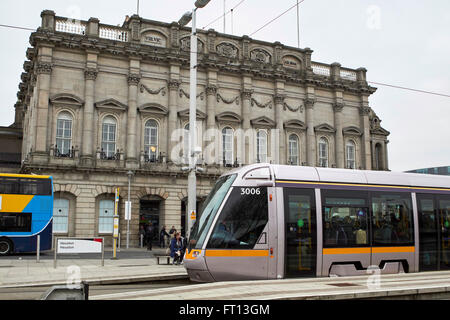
116, 227
127, 210
79, 246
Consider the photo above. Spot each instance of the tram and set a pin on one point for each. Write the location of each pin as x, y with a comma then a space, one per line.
267, 221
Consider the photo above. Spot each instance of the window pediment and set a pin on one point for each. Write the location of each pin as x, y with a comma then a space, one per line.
66, 100
185, 114
111, 104
354, 131
153, 108
263, 122
380, 131
326, 128
295, 124
229, 117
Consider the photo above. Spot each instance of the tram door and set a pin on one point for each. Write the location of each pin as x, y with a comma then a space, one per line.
434, 232
300, 231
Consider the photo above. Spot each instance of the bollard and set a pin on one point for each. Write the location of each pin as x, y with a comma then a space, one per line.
142, 240
38, 248
118, 243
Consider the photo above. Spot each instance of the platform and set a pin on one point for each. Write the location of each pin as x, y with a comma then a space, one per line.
429, 285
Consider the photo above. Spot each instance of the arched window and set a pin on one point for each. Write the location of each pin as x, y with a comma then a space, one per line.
109, 137
261, 146
151, 140
323, 152
227, 146
378, 157
293, 150
63, 134
106, 216
350, 152
60, 215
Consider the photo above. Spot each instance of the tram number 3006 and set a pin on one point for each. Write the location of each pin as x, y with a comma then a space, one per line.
250, 191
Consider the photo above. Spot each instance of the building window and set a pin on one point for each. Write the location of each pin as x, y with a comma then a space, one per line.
151, 140
106, 216
60, 216
378, 157
227, 146
323, 152
109, 137
350, 154
261, 146
63, 135
293, 150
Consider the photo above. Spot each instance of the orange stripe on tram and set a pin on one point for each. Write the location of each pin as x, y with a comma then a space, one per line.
367, 250
237, 253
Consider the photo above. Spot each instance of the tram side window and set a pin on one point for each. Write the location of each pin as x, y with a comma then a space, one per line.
444, 223
345, 218
392, 220
15, 222
242, 219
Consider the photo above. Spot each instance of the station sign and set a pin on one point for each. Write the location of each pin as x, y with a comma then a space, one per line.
79, 246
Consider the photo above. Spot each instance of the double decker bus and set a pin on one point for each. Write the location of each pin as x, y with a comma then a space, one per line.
26, 211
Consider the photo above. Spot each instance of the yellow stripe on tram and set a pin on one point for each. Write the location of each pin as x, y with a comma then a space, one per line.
236, 253
362, 185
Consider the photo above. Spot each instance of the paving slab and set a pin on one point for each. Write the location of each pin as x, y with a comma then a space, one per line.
355, 287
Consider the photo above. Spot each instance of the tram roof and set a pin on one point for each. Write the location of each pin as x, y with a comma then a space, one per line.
283, 172
302, 173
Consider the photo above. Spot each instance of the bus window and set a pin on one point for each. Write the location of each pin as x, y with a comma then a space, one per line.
242, 219
35, 187
9, 185
392, 220
345, 218
15, 222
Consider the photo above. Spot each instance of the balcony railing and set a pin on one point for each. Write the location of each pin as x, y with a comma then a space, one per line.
348, 74
71, 26
321, 69
113, 33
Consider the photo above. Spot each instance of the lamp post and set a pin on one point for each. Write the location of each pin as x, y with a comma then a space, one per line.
128, 207
193, 150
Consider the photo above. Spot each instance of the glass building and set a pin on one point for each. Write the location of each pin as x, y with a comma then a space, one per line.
445, 171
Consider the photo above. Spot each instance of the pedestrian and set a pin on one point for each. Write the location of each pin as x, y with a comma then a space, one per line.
149, 236
172, 230
177, 249
162, 235
142, 234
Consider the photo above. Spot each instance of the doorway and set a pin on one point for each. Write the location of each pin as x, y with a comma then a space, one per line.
149, 212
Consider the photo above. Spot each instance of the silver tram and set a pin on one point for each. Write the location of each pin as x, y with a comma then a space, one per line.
268, 221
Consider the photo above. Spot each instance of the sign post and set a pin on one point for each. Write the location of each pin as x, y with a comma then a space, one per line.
116, 223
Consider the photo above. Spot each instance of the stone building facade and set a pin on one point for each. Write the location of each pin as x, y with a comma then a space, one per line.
98, 101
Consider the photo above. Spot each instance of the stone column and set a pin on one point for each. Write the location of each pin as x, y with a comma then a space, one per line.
211, 105
44, 70
386, 158
340, 158
246, 95
87, 149
310, 134
364, 111
133, 82
279, 105
172, 138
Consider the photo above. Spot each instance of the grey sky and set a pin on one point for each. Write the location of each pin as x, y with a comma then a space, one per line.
400, 42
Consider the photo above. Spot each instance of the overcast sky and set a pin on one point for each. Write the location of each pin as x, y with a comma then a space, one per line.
400, 42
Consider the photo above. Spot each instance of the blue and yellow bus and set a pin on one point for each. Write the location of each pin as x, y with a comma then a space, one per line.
26, 211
